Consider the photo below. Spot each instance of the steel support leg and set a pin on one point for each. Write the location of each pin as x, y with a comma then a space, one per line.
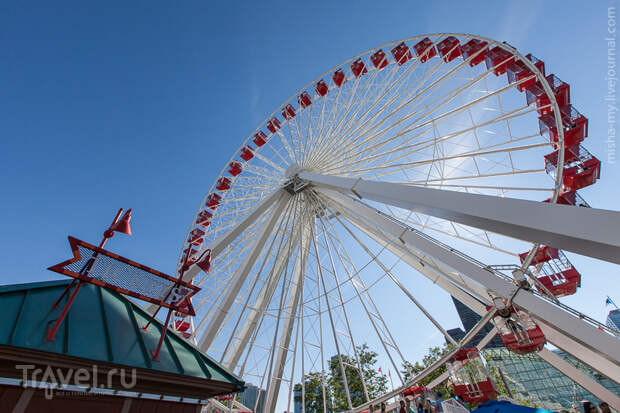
586, 231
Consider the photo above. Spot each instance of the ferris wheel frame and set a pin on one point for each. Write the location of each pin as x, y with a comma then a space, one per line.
522, 219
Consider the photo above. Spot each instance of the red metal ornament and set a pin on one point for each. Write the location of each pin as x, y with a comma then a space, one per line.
120, 271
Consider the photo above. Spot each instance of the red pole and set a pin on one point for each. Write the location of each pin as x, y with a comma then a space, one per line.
51, 332
155, 352
64, 293
109, 233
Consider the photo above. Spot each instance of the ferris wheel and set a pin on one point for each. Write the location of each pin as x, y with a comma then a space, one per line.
428, 158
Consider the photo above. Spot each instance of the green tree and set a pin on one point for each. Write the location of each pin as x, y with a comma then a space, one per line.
313, 393
434, 353
376, 384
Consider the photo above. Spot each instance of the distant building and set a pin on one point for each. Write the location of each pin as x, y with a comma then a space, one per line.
470, 318
613, 319
249, 397
529, 376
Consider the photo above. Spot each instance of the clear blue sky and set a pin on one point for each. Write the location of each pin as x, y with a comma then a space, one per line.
140, 106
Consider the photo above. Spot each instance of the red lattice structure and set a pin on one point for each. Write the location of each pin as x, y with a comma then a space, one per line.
106, 269
97, 266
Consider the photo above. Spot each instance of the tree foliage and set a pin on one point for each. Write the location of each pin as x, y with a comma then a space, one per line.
335, 392
313, 392
376, 384
434, 353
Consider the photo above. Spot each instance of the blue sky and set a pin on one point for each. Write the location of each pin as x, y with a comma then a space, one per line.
141, 105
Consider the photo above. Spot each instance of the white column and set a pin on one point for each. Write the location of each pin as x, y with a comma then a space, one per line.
240, 276
586, 231
256, 312
287, 327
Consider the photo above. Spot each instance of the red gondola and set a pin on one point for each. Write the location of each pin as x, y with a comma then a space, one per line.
213, 201
519, 333
234, 168
414, 391
449, 48
246, 153
536, 94
581, 168
498, 59
518, 71
304, 100
570, 198
401, 53
425, 49
260, 138
182, 325
195, 237
321, 88
204, 218
288, 112
273, 125
469, 378
338, 77
575, 126
378, 59
358, 68
551, 267
192, 254
476, 50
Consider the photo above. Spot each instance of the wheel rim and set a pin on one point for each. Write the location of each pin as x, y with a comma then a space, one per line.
438, 124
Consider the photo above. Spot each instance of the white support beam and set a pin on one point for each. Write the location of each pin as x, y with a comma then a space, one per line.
256, 312
587, 231
436, 272
241, 274
273, 389
577, 337
225, 239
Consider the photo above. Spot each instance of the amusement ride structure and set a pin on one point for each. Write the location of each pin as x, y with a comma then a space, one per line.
449, 154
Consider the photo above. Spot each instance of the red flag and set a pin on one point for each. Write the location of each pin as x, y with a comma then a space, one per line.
380, 370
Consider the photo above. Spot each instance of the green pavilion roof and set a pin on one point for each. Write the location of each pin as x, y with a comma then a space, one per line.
102, 326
